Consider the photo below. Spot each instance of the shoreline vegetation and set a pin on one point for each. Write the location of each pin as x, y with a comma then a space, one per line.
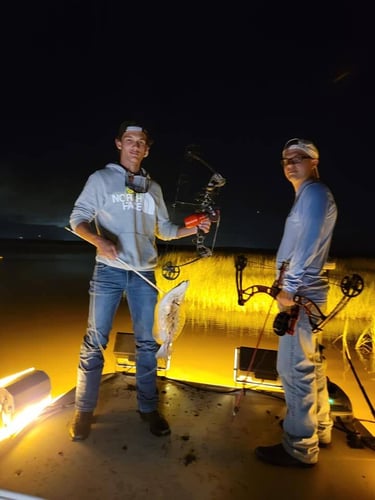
25, 244
212, 294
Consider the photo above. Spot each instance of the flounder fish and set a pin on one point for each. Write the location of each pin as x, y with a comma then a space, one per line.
170, 319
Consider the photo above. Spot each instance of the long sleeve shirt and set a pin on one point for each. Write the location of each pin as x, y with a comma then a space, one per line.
306, 240
131, 220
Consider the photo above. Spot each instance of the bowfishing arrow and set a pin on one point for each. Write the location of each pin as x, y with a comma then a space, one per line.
205, 207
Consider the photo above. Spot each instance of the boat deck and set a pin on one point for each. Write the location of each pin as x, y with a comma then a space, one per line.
208, 455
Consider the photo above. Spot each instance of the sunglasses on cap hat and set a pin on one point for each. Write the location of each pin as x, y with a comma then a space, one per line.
296, 160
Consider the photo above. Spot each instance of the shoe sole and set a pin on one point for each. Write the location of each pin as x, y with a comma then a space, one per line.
78, 438
160, 434
145, 418
292, 462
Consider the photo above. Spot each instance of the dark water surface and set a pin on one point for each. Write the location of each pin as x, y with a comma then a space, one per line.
44, 301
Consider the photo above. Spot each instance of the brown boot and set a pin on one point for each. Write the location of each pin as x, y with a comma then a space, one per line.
158, 425
80, 425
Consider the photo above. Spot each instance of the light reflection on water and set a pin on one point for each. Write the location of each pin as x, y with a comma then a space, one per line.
44, 303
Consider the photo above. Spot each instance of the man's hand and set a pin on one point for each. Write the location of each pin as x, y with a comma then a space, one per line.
285, 299
106, 248
205, 225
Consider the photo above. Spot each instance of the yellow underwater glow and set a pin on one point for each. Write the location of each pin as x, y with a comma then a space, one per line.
212, 294
216, 324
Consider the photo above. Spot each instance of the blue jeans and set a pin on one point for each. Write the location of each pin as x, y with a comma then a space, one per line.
302, 373
107, 287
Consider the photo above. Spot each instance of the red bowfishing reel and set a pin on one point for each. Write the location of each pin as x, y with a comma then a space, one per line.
194, 220
285, 321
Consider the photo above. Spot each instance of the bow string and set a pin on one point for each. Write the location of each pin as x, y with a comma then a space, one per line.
205, 205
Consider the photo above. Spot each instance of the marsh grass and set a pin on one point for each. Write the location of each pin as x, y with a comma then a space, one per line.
212, 294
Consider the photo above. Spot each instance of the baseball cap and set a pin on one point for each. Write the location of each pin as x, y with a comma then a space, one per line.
133, 126
302, 145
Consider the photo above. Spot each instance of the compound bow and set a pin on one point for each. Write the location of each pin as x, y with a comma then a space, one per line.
205, 205
351, 286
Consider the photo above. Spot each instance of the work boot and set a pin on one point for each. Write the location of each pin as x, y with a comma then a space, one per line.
276, 455
80, 425
158, 425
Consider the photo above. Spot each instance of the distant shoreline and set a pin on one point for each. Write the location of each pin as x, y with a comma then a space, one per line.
26, 245
71, 246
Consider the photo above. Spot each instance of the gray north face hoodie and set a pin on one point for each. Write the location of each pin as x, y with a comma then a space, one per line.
131, 220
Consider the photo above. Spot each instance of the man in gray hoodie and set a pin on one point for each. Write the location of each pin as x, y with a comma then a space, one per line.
121, 211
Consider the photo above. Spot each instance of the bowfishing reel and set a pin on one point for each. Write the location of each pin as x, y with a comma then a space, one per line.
195, 219
285, 321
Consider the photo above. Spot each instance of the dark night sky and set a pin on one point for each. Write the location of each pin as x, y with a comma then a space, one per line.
238, 84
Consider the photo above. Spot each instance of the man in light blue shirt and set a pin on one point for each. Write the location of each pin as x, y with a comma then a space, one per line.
300, 258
